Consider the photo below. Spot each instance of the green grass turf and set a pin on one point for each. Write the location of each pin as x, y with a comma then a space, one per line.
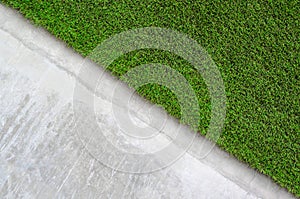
254, 44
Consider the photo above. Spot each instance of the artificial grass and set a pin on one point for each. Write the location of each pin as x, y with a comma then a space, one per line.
255, 45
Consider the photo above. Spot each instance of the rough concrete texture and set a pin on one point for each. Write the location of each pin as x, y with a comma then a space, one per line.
42, 156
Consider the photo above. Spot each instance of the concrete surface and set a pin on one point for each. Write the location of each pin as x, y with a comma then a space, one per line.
42, 157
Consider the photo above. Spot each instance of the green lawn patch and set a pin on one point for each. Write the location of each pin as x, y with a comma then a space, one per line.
255, 45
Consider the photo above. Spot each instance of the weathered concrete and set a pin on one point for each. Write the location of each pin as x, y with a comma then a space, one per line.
42, 157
